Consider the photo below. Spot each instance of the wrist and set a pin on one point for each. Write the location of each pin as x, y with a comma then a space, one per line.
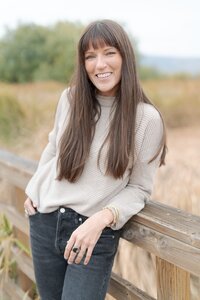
106, 217
115, 212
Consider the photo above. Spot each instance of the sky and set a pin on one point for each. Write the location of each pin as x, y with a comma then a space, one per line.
160, 27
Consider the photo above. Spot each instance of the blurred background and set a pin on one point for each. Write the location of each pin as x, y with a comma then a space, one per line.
37, 56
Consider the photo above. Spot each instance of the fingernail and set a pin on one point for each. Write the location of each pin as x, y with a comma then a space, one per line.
69, 262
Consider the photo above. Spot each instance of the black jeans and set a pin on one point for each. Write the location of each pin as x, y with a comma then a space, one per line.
55, 279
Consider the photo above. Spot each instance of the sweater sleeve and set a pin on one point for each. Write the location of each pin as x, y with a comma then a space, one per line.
50, 150
132, 198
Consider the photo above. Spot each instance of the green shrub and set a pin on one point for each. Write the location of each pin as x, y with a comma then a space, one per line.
32, 52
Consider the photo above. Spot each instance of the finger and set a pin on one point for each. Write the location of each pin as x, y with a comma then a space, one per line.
80, 255
88, 255
34, 205
72, 257
26, 213
69, 246
73, 254
28, 202
29, 207
31, 210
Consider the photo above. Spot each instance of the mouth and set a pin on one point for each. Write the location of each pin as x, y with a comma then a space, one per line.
103, 75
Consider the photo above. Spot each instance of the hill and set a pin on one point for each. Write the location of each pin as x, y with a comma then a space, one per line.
172, 65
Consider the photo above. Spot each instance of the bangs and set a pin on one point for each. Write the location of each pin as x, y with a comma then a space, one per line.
97, 36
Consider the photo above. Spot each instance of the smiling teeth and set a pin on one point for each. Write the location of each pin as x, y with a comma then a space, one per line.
103, 75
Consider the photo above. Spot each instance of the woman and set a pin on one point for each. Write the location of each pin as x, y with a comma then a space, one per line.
96, 171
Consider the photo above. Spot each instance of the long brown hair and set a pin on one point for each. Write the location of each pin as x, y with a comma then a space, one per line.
85, 110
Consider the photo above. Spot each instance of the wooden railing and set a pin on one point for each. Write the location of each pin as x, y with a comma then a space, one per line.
172, 235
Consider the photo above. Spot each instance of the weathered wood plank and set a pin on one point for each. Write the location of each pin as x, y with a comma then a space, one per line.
121, 289
173, 283
15, 169
24, 263
171, 221
195, 286
15, 218
15, 161
14, 292
182, 255
14, 176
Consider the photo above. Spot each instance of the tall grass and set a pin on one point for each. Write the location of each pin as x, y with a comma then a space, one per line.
178, 99
11, 117
35, 103
27, 110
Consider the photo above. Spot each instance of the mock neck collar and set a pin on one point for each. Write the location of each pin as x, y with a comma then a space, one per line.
105, 100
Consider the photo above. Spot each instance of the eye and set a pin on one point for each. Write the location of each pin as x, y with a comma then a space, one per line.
89, 56
110, 53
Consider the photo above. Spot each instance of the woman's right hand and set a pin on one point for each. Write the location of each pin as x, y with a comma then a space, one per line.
30, 208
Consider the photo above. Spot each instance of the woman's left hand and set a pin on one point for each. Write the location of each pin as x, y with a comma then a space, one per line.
85, 237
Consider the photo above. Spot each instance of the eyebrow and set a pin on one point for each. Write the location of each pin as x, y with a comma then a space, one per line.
92, 51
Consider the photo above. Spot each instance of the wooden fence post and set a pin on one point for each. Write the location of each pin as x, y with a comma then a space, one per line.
173, 283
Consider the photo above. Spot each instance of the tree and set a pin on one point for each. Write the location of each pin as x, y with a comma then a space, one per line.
21, 52
32, 52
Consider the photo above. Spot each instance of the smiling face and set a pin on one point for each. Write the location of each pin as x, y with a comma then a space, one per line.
103, 66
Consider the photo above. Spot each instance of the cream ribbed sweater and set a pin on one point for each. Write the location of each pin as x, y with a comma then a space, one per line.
94, 190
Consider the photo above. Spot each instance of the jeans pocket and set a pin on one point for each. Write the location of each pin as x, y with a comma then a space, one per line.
108, 242
34, 215
108, 233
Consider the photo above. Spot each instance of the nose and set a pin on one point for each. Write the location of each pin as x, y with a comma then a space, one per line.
100, 62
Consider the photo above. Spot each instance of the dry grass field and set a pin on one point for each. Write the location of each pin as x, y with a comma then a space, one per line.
176, 184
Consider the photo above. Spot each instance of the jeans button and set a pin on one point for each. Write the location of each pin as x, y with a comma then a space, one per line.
80, 219
62, 210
